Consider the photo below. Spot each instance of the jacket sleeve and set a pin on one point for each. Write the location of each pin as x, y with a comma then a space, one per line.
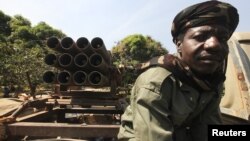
147, 117
151, 117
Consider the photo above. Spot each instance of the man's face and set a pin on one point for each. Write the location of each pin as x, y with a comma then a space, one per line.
204, 48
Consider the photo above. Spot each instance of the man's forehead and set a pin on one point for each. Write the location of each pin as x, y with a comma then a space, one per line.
210, 28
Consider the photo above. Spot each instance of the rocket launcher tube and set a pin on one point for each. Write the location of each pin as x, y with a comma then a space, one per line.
64, 78
81, 60
99, 47
80, 78
66, 60
69, 45
54, 44
51, 59
96, 61
96, 78
49, 77
84, 45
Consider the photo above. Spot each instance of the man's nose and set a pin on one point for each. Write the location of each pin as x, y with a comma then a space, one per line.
212, 43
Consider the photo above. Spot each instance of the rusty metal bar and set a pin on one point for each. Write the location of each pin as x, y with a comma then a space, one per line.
39, 116
89, 93
91, 110
85, 101
61, 129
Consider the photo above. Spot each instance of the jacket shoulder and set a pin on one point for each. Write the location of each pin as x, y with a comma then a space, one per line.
153, 75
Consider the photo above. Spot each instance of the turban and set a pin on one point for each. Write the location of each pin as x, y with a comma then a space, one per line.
205, 13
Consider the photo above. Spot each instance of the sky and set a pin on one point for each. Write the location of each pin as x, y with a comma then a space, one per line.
112, 20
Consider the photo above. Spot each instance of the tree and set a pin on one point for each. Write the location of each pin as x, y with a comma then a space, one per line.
23, 51
135, 49
4, 26
132, 50
43, 31
6, 50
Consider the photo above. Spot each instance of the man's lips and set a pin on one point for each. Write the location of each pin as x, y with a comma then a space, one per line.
211, 58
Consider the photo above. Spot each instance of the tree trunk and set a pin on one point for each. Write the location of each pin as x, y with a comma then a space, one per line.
32, 86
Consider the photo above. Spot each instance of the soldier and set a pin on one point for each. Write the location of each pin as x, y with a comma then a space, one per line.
177, 96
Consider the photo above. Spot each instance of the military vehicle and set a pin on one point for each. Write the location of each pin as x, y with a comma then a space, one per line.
235, 104
87, 102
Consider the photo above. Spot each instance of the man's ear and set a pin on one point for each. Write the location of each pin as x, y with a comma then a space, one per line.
179, 45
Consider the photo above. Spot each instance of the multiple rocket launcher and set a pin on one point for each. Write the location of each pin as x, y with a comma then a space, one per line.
80, 63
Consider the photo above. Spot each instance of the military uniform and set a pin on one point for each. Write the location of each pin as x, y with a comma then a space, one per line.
164, 109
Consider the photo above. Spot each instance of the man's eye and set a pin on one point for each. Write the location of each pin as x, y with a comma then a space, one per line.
200, 37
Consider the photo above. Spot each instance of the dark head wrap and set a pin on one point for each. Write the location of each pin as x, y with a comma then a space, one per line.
205, 13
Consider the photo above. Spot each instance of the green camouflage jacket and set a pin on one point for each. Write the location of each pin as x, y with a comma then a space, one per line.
164, 109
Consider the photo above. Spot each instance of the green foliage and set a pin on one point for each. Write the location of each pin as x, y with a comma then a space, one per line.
135, 49
132, 50
18, 21
23, 49
43, 31
4, 26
